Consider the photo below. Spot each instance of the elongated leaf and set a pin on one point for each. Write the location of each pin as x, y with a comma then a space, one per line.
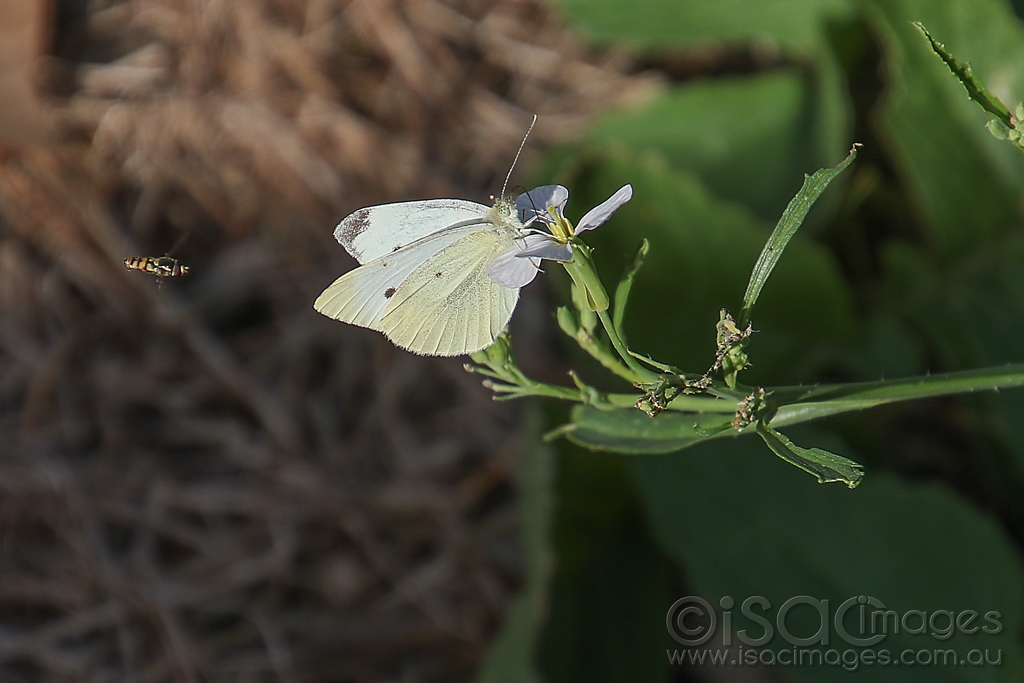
626, 284
964, 182
976, 88
792, 219
827, 467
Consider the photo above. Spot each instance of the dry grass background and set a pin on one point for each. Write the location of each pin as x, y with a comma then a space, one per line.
208, 481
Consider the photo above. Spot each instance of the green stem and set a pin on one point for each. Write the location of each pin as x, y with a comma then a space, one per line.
605, 357
800, 404
642, 374
544, 390
522, 387
701, 404
584, 274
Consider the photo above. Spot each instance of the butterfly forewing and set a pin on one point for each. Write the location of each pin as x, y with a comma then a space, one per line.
375, 231
360, 296
448, 305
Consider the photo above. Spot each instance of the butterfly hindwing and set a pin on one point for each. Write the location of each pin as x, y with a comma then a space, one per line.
448, 305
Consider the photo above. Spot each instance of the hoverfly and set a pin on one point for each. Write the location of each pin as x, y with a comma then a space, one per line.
162, 266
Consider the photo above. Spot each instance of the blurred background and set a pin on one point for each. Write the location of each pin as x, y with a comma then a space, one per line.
205, 480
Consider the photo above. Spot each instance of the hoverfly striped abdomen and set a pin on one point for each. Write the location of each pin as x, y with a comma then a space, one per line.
161, 266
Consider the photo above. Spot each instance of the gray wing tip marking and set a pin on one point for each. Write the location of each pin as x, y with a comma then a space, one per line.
351, 227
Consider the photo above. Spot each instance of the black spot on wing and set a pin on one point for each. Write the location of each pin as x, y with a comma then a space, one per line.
389, 292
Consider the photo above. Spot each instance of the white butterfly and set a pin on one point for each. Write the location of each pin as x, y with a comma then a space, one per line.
441, 277
423, 278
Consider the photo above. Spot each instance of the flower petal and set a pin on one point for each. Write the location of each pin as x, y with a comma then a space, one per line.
510, 270
603, 211
535, 203
549, 249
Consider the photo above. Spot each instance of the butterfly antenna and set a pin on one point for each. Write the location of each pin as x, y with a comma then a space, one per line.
521, 145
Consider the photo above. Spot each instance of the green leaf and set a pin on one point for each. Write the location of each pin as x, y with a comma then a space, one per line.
749, 139
976, 88
967, 317
626, 284
604, 626
795, 24
827, 467
740, 525
699, 260
792, 219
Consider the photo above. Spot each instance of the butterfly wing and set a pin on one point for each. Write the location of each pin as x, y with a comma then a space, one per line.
448, 306
360, 296
376, 231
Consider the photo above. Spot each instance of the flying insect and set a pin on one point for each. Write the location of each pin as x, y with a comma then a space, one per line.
161, 266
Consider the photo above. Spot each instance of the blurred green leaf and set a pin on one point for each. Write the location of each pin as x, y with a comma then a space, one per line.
750, 139
606, 622
701, 252
742, 525
965, 182
967, 317
792, 24
512, 657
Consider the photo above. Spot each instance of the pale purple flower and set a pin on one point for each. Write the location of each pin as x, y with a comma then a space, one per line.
519, 264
